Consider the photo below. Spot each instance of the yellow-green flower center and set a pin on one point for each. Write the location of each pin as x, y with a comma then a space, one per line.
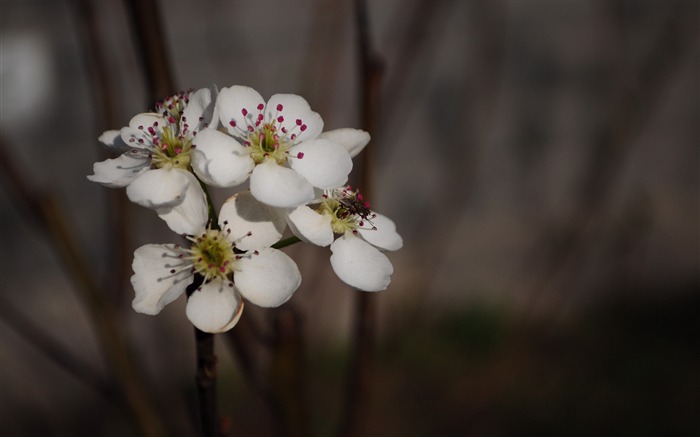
172, 150
265, 143
346, 208
213, 255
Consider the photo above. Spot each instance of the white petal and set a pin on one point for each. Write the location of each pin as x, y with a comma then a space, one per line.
120, 171
268, 278
160, 188
154, 283
231, 103
252, 224
219, 160
353, 140
310, 226
324, 164
294, 108
147, 119
136, 138
199, 110
113, 140
359, 264
385, 236
279, 186
191, 215
215, 307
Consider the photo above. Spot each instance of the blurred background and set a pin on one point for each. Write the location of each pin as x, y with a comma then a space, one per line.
541, 161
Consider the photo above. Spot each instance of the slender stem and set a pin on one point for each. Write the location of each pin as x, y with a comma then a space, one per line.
49, 216
286, 242
213, 217
152, 48
287, 373
359, 375
205, 376
106, 103
42, 340
206, 384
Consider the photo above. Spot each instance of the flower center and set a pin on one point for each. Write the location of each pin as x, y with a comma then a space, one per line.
169, 145
266, 143
212, 255
171, 150
267, 139
347, 208
174, 105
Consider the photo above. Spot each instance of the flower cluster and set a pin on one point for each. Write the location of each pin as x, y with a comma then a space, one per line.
297, 179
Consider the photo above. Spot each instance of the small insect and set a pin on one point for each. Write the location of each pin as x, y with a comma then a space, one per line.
354, 204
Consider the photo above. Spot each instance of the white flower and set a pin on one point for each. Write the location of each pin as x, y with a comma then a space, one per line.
356, 257
278, 143
234, 262
157, 155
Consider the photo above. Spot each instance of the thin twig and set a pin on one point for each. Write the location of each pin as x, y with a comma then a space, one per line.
58, 354
359, 376
154, 55
105, 102
287, 373
206, 384
614, 141
49, 216
152, 49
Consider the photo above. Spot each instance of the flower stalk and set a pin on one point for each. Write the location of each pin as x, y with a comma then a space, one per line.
359, 376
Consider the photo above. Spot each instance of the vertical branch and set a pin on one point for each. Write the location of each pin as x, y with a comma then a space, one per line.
205, 377
154, 56
44, 342
243, 340
287, 373
359, 376
206, 384
49, 216
152, 49
105, 101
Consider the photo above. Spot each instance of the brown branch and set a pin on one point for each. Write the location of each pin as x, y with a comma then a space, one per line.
152, 49
567, 245
105, 102
359, 376
47, 214
287, 373
206, 384
47, 345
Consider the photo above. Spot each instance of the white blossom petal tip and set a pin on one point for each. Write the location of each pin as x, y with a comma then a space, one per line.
323, 163
296, 114
113, 140
120, 171
359, 264
237, 106
158, 278
382, 234
219, 160
267, 277
250, 224
310, 226
215, 307
199, 110
353, 140
191, 214
159, 188
279, 186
